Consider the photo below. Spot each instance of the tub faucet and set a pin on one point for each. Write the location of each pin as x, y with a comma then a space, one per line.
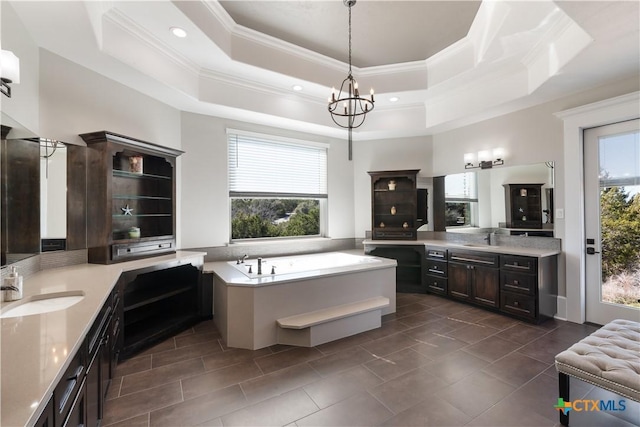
259, 265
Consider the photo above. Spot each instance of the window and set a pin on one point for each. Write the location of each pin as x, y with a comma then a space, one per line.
461, 200
277, 186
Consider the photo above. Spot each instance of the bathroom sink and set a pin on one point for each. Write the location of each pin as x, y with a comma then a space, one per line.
44, 303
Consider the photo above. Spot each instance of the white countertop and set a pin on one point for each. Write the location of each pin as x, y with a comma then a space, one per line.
231, 276
507, 250
36, 349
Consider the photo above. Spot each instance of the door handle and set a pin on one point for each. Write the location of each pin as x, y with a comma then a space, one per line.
592, 251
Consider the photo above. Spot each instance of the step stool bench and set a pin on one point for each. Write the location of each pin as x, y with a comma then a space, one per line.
332, 323
608, 358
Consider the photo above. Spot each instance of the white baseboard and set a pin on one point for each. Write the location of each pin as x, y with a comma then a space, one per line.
561, 311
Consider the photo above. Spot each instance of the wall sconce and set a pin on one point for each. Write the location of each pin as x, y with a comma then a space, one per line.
9, 71
485, 160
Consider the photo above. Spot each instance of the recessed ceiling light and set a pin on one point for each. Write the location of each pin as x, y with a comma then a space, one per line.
178, 32
297, 88
394, 99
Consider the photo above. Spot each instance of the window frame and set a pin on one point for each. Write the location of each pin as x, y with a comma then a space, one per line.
322, 198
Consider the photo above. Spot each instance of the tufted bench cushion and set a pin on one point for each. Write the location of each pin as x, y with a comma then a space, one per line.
608, 358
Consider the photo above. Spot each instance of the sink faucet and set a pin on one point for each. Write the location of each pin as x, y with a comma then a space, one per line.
488, 238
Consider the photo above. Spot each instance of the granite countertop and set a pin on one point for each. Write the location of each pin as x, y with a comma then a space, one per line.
231, 276
507, 250
36, 349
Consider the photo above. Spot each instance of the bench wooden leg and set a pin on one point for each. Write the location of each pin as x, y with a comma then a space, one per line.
563, 385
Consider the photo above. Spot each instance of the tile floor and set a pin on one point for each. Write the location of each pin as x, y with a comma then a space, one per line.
432, 363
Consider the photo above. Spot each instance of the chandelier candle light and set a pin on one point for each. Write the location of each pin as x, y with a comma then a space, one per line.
348, 109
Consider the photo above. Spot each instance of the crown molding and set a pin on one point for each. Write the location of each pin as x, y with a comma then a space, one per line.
126, 24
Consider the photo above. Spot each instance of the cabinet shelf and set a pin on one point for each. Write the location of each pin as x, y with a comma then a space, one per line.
120, 216
127, 174
153, 295
138, 197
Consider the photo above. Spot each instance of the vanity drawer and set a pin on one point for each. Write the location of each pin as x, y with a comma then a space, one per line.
436, 253
518, 304
435, 267
64, 395
479, 258
522, 264
436, 285
515, 282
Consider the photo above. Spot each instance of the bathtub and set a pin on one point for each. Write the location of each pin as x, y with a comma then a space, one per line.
248, 306
307, 265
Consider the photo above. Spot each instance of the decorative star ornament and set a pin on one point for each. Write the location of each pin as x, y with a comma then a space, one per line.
127, 210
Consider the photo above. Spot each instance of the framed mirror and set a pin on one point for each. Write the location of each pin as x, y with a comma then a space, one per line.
475, 201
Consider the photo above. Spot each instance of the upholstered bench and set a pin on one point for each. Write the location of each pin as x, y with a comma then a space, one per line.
608, 358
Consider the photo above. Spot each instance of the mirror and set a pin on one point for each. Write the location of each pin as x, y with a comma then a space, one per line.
53, 195
476, 200
33, 193
20, 200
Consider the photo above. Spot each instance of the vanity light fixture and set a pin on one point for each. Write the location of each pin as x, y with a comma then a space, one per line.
9, 71
484, 159
348, 109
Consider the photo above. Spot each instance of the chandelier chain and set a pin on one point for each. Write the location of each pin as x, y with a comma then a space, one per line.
349, 40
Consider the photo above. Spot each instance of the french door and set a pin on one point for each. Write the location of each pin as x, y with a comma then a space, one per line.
612, 221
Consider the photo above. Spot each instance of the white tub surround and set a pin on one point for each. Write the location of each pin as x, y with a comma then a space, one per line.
38, 348
322, 297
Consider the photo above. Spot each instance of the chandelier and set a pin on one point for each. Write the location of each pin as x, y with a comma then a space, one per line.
348, 109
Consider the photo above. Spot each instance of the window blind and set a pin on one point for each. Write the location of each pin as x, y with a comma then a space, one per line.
461, 187
264, 166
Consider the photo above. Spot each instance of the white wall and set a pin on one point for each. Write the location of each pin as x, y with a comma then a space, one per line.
205, 193
21, 110
380, 155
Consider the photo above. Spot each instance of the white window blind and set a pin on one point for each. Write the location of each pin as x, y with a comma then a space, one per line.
265, 166
461, 186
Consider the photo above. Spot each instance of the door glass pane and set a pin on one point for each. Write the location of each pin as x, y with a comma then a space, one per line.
619, 157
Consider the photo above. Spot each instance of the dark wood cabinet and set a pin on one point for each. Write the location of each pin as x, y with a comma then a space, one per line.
46, 418
436, 270
98, 347
131, 213
159, 302
523, 205
409, 269
528, 287
394, 205
459, 281
474, 277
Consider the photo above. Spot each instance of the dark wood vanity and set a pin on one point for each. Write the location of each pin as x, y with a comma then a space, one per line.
495, 278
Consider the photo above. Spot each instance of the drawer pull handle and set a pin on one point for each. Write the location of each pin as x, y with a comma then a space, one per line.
457, 258
509, 285
435, 255
436, 271
519, 267
515, 282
